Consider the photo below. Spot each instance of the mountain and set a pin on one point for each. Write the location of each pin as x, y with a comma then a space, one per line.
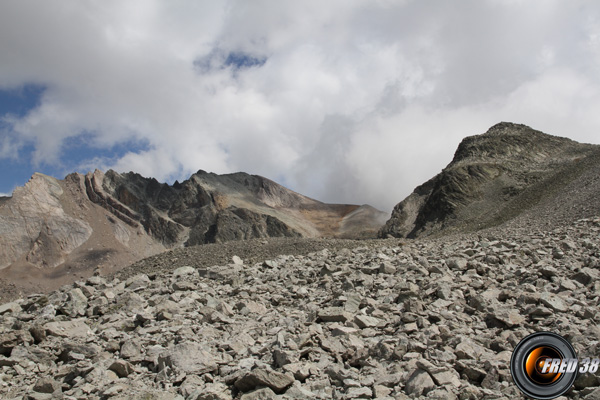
52, 229
512, 173
298, 318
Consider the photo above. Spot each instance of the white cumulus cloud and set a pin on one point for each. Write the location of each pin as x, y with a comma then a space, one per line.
345, 101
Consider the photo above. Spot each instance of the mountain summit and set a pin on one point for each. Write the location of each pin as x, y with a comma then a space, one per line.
510, 171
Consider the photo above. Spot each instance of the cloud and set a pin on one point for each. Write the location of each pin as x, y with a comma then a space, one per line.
345, 101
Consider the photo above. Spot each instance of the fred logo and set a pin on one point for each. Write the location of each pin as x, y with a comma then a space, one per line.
569, 365
544, 365
558, 365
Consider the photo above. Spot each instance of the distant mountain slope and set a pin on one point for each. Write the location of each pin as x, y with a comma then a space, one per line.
55, 228
211, 208
510, 171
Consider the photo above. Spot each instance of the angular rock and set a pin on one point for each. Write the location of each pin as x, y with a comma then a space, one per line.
68, 329
277, 381
300, 370
419, 383
365, 321
468, 349
122, 368
189, 358
10, 340
359, 393
260, 394
184, 271
47, 385
387, 268
9, 308
352, 303
130, 349
76, 304
554, 302
334, 314
214, 391
447, 378
237, 261
183, 286
508, 318
138, 282
584, 276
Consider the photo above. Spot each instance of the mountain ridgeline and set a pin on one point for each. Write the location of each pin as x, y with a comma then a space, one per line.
209, 208
510, 173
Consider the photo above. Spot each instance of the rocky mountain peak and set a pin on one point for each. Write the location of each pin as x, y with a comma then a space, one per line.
508, 128
492, 178
512, 142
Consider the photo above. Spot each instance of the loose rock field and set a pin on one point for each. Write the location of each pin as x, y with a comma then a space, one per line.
387, 320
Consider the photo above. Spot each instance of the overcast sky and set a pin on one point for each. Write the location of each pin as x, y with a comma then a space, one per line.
344, 101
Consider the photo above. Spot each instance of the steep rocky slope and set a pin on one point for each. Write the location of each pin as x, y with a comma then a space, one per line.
510, 171
390, 320
52, 231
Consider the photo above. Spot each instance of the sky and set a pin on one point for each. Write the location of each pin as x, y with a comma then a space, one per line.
345, 101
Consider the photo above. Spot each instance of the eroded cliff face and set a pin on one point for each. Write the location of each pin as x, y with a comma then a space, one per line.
34, 225
103, 220
210, 208
207, 208
492, 178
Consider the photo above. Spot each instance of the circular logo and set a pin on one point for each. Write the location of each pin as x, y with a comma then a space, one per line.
539, 365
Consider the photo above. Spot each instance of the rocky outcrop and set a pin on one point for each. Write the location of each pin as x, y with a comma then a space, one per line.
493, 178
96, 193
242, 224
35, 226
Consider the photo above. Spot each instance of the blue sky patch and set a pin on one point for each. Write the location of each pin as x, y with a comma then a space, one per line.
218, 59
15, 172
77, 150
17, 168
20, 101
75, 153
17, 102
239, 60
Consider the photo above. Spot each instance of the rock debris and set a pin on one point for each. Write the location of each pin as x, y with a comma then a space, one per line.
402, 320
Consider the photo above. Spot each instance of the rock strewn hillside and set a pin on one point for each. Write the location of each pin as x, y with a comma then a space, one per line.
417, 319
506, 172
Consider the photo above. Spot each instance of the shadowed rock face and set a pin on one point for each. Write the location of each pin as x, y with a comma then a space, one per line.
207, 208
108, 220
493, 178
210, 208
